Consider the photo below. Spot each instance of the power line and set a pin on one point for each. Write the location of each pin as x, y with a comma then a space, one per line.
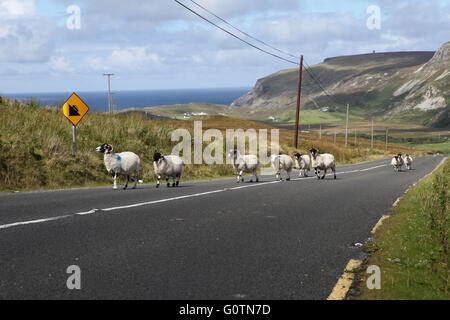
235, 36
243, 32
319, 83
307, 68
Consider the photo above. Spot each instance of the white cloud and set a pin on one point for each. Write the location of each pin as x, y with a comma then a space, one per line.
162, 42
60, 64
24, 36
17, 8
130, 58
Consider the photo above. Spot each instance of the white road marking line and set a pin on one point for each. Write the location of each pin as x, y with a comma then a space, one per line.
16, 224
22, 223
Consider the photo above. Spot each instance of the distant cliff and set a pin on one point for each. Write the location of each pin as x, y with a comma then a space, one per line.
386, 85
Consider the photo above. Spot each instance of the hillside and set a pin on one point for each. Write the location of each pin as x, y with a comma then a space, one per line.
410, 86
36, 148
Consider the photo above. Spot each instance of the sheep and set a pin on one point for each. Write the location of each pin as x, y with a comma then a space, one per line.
124, 163
322, 162
243, 164
302, 162
282, 162
397, 162
408, 161
168, 166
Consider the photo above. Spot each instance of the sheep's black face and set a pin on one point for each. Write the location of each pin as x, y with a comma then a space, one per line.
233, 154
157, 156
314, 152
297, 155
104, 148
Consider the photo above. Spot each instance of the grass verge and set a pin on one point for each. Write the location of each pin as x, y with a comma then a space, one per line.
412, 247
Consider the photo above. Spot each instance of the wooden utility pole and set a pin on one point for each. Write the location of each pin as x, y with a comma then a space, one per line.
320, 132
299, 94
371, 143
355, 136
346, 128
335, 137
387, 138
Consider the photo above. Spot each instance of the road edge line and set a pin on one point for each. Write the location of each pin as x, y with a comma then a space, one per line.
345, 282
379, 223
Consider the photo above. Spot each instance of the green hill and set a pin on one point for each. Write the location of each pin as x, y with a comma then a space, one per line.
405, 86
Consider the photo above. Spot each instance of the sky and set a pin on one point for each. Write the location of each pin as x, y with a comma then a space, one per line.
46, 46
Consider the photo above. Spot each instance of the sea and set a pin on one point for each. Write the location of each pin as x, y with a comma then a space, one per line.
98, 101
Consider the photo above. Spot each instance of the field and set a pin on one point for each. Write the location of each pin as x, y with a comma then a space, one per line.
412, 247
408, 134
36, 149
405, 134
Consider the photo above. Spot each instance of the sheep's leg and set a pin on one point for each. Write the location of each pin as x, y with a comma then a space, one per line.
239, 177
317, 173
277, 176
167, 181
324, 173
173, 182
288, 176
256, 176
334, 171
158, 182
115, 181
126, 183
136, 179
177, 183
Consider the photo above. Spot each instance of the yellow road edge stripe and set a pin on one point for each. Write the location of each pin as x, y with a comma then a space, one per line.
344, 283
379, 223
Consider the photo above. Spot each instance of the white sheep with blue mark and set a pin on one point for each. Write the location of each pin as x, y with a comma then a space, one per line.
124, 163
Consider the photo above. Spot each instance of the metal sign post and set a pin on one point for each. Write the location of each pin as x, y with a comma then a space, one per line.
74, 139
74, 109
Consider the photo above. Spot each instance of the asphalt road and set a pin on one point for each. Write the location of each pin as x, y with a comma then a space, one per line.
205, 240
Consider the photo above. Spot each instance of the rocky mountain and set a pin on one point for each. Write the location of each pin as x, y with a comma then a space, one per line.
413, 86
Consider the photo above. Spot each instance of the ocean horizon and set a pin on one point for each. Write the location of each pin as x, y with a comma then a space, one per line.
124, 99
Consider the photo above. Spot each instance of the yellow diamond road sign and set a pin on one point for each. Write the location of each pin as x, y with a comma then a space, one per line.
74, 109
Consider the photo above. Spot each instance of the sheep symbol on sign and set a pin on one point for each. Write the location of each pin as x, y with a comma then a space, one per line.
73, 111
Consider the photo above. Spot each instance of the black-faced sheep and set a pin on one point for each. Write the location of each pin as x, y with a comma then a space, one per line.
167, 167
244, 164
397, 162
408, 160
282, 163
124, 163
303, 163
323, 162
